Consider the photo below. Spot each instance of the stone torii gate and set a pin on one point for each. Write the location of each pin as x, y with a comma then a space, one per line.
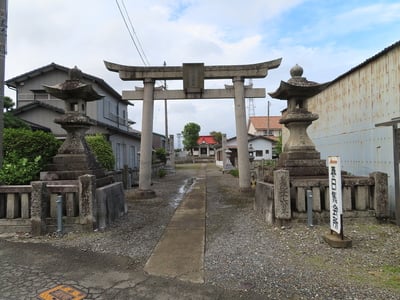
193, 76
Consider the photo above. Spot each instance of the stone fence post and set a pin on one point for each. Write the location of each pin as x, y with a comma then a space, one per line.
282, 195
264, 201
87, 201
125, 177
380, 194
39, 207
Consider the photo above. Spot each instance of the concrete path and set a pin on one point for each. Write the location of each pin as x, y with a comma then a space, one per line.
180, 252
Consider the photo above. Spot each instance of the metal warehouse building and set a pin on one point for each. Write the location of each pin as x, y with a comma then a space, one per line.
358, 116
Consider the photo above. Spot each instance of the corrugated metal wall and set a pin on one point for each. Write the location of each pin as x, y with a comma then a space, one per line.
348, 111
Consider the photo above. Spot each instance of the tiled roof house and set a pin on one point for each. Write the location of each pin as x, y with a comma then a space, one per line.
264, 125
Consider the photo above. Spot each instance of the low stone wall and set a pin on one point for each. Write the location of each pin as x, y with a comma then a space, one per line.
130, 177
33, 208
110, 204
15, 208
286, 199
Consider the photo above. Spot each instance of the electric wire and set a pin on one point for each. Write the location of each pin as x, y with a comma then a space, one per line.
134, 37
130, 33
134, 33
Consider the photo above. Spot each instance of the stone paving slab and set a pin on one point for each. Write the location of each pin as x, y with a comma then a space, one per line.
180, 251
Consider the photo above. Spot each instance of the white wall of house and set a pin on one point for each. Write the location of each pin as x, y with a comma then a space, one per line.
262, 148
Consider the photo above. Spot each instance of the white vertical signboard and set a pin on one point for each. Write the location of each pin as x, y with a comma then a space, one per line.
335, 193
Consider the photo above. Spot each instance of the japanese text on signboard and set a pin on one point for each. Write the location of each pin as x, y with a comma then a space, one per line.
335, 192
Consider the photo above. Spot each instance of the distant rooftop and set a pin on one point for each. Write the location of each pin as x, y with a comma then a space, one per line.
261, 122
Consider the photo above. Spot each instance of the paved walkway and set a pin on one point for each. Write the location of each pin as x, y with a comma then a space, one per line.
180, 251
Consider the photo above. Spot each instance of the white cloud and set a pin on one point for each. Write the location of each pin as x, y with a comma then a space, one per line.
84, 33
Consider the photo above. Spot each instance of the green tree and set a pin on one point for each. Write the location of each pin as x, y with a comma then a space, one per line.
8, 103
102, 149
217, 136
161, 155
190, 135
11, 121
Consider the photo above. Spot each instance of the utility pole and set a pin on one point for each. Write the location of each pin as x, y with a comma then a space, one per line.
3, 50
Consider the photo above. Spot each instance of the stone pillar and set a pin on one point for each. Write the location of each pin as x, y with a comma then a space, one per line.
87, 201
282, 195
53, 205
147, 136
39, 207
241, 135
25, 206
13, 207
380, 194
223, 147
172, 150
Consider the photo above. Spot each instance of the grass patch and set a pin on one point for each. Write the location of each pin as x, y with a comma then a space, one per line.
234, 172
390, 276
385, 277
187, 166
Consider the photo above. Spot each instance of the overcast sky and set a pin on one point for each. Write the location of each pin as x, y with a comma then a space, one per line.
326, 38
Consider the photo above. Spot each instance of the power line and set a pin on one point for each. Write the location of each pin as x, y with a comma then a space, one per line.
134, 33
141, 54
134, 37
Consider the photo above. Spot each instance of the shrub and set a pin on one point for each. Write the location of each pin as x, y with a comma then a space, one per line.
234, 172
17, 170
162, 173
161, 155
102, 149
24, 143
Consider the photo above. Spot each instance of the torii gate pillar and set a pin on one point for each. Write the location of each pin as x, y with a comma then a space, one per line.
147, 136
241, 134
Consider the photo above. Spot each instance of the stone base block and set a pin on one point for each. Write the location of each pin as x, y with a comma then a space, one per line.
300, 155
69, 175
334, 240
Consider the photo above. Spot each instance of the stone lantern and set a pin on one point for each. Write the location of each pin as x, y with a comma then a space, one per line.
299, 155
251, 153
74, 157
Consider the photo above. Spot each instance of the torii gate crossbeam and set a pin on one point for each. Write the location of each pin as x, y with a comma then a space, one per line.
193, 76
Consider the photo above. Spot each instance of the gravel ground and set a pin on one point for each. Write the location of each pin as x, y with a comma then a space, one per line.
294, 262
243, 253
